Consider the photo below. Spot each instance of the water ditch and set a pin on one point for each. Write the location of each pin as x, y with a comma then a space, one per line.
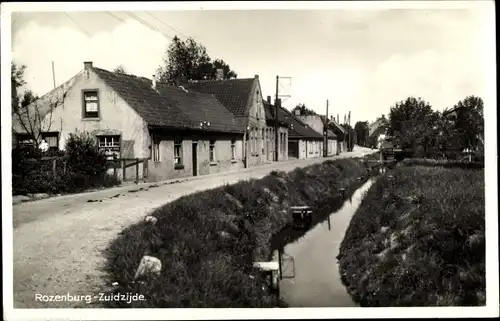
309, 266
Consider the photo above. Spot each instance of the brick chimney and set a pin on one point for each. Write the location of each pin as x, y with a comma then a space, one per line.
87, 65
219, 75
153, 82
269, 99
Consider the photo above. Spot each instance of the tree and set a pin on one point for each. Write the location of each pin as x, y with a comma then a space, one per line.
350, 136
17, 81
470, 121
362, 132
187, 61
303, 110
413, 124
120, 70
30, 116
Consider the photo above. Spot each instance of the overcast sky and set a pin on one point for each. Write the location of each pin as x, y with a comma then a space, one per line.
362, 61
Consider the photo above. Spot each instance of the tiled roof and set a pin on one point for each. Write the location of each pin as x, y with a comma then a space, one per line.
269, 110
297, 129
170, 106
234, 94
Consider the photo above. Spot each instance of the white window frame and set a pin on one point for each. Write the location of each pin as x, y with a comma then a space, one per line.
91, 98
233, 149
178, 150
111, 144
156, 150
211, 150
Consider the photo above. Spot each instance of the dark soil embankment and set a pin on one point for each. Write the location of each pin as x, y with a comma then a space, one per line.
418, 239
208, 241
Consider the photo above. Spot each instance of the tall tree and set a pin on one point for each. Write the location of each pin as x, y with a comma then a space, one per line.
362, 132
29, 116
17, 81
412, 123
470, 121
350, 136
187, 60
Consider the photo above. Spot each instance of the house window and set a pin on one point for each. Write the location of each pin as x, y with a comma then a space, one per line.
252, 142
233, 149
90, 104
212, 151
52, 140
24, 139
177, 150
110, 145
262, 138
156, 151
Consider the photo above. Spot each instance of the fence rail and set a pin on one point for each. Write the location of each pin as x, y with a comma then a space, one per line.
115, 164
122, 163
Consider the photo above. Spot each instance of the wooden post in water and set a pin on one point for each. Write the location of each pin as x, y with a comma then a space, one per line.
329, 224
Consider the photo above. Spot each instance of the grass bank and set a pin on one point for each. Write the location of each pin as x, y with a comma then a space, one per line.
418, 239
208, 241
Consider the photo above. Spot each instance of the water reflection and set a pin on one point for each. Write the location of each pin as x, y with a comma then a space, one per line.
316, 281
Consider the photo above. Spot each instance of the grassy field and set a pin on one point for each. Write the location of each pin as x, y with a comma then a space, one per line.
207, 241
418, 239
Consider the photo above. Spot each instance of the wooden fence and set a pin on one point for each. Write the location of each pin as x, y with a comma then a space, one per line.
115, 164
124, 163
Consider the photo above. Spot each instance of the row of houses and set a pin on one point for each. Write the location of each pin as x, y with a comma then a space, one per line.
202, 128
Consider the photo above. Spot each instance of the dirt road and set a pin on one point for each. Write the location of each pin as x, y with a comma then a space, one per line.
58, 242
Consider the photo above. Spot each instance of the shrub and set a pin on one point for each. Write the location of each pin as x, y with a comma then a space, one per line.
83, 155
86, 168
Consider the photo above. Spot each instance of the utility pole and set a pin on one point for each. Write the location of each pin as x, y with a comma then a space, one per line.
349, 126
277, 106
276, 120
346, 143
53, 75
325, 153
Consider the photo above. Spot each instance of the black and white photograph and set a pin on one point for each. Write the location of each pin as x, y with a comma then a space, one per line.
242, 160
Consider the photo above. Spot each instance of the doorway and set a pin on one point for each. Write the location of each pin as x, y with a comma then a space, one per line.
195, 158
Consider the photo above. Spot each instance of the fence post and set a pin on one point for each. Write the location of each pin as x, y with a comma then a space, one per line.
137, 170
123, 169
114, 166
54, 164
145, 169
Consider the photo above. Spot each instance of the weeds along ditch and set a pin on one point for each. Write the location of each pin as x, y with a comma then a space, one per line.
418, 238
207, 241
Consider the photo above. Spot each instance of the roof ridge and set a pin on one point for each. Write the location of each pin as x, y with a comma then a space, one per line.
219, 80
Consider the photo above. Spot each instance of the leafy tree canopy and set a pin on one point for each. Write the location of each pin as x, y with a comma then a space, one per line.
303, 110
187, 61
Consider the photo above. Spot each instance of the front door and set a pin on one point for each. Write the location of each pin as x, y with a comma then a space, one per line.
195, 159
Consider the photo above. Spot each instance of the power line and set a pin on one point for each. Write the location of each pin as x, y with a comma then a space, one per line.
77, 24
166, 24
115, 16
150, 26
